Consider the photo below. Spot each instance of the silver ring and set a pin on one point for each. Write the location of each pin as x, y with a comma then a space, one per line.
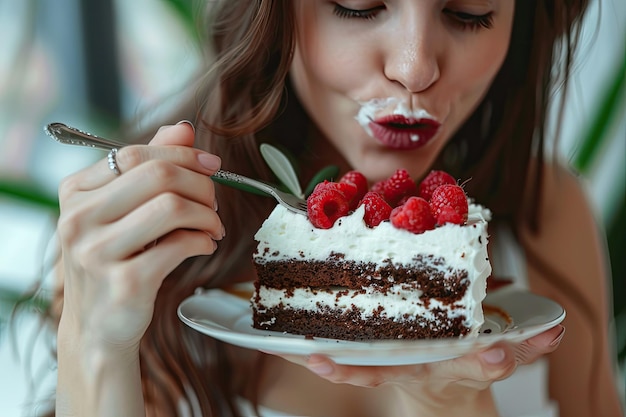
111, 158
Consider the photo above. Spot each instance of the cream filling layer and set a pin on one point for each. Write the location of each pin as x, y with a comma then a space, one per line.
398, 303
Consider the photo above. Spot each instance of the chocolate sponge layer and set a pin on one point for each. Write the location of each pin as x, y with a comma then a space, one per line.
448, 287
348, 325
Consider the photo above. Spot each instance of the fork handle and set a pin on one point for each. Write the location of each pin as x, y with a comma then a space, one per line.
240, 179
72, 136
67, 135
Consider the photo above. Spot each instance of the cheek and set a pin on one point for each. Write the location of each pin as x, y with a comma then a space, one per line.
474, 72
481, 62
323, 79
324, 57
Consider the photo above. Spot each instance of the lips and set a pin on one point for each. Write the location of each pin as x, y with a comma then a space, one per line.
402, 133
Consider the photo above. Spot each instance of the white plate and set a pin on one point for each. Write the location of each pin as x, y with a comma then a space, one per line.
228, 317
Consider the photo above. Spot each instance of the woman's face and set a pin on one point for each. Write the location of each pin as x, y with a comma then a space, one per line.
389, 82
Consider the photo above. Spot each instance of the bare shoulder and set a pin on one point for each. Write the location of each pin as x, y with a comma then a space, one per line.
570, 242
567, 262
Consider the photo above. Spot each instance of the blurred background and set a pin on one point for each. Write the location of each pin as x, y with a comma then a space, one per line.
96, 64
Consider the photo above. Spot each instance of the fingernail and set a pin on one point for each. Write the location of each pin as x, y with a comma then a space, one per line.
189, 123
559, 337
321, 368
215, 205
493, 356
223, 231
210, 161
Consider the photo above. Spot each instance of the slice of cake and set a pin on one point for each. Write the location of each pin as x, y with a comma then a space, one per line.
397, 262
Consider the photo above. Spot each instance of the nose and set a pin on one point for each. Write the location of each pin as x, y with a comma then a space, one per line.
412, 61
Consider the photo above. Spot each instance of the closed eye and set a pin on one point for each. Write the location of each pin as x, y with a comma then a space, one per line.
366, 14
469, 20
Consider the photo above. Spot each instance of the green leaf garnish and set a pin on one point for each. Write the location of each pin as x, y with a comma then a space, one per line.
282, 168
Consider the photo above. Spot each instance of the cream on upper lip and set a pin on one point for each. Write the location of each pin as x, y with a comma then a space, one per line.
378, 107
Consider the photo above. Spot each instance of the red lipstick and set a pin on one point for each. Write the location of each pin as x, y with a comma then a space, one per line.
402, 133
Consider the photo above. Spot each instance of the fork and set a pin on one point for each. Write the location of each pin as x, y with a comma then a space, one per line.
71, 136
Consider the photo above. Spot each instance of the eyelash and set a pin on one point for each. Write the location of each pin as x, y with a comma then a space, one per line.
470, 21
366, 14
461, 19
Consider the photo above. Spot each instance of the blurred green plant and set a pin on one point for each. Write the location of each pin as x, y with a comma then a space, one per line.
28, 192
606, 115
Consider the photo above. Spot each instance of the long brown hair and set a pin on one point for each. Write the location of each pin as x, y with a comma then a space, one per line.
242, 91
245, 95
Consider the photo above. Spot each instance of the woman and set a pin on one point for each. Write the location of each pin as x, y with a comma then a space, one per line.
297, 72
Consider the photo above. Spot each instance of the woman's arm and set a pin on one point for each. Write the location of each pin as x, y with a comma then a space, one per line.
93, 380
567, 262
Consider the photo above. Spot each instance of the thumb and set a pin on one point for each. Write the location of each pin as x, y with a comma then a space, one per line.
181, 134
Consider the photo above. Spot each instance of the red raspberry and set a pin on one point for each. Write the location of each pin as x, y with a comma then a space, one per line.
326, 204
433, 180
360, 182
379, 188
349, 191
415, 216
376, 209
449, 204
397, 186
450, 215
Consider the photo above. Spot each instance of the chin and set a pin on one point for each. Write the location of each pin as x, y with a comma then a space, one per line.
377, 161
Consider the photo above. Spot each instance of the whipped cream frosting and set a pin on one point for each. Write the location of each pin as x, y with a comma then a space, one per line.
372, 109
292, 236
